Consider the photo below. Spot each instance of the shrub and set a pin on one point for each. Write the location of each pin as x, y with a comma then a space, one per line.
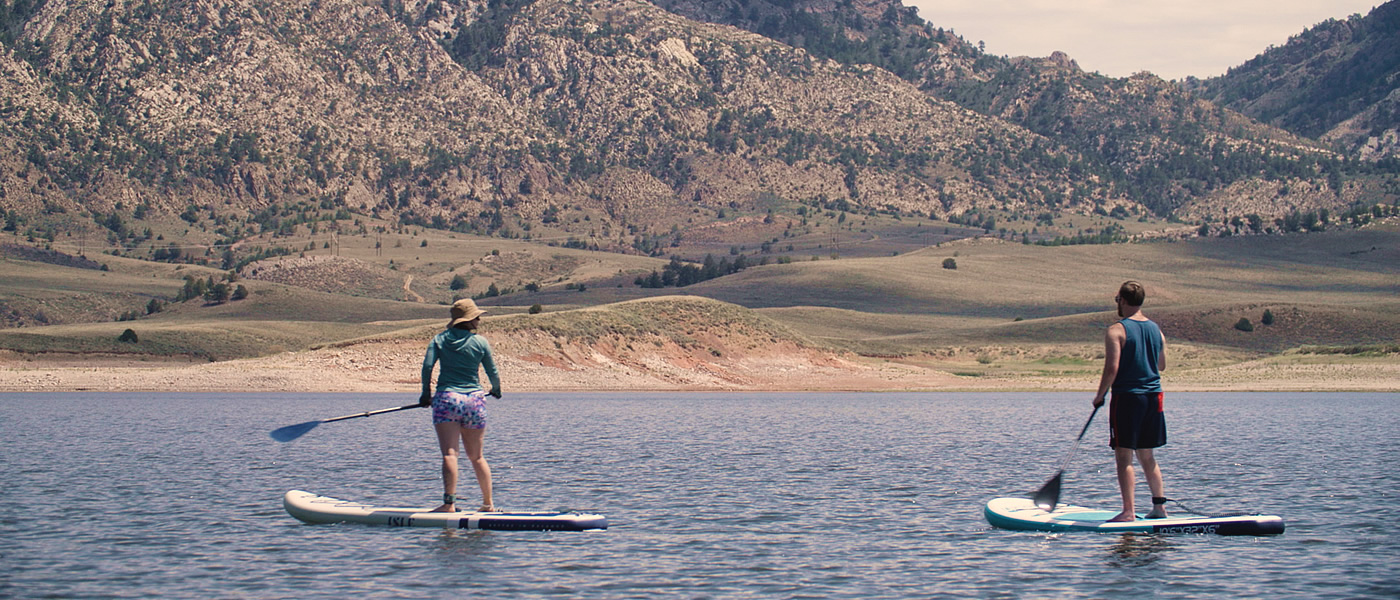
458, 282
219, 293
1268, 318
128, 336
536, 309
949, 263
1244, 325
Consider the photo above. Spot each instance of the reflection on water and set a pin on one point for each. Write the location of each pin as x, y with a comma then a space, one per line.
463, 543
1139, 550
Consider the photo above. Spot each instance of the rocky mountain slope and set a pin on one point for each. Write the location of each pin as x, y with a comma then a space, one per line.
615, 112
1338, 81
1149, 139
611, 124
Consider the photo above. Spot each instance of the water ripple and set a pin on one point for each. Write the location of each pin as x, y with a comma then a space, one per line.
709, 496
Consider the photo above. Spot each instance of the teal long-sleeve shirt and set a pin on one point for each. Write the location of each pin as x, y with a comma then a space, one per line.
463, 354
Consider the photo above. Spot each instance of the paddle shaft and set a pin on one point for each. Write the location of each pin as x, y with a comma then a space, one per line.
1075, 448
1048, 496
380, 412
291, 432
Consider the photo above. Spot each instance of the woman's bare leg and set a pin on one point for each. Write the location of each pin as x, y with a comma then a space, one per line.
475, 440
449, 436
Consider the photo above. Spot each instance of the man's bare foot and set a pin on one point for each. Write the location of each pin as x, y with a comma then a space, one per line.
445, 508
488, 508
1157, 513
1123, 518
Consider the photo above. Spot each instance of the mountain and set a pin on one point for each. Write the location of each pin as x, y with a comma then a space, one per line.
607, 124
1148, 138
614, 121
1338, 81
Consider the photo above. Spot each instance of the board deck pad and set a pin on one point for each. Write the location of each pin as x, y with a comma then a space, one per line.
1023, 514
313, 508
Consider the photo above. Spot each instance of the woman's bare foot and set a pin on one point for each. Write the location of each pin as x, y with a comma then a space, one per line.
1157, 513
488, 508
1123, 518
445, 508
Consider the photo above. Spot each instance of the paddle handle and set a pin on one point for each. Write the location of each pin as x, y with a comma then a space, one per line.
372, 413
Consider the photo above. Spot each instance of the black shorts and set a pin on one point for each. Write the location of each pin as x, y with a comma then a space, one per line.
1136, 421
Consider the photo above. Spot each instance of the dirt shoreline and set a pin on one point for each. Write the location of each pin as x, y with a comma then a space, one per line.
394, 367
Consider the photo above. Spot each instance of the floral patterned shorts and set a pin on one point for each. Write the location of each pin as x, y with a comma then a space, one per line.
467, 410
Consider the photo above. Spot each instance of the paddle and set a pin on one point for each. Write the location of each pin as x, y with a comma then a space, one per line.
1049, 494
291, 432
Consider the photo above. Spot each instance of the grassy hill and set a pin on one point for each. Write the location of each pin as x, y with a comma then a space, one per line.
1323, 289
85, 303
993, 278
1003, 300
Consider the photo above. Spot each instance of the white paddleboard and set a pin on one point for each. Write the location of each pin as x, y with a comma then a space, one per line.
313, 508
1023, 514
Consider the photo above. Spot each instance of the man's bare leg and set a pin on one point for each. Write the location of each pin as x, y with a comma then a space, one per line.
1127, 481
1154, 481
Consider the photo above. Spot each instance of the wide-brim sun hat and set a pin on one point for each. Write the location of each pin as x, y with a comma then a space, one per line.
464, 310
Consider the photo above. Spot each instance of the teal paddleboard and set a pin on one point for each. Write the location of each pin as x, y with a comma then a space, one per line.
1023, 514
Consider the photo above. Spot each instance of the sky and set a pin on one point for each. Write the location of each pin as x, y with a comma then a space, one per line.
1171, 38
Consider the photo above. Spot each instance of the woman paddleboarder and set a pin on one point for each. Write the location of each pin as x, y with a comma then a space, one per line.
459, 406
1134, 356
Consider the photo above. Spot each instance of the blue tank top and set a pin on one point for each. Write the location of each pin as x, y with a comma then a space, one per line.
1137, 366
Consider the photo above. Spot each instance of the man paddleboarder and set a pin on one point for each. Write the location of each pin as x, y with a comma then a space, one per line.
1135, 353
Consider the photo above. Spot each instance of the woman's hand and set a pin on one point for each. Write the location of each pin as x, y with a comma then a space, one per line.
495, 392
425, 400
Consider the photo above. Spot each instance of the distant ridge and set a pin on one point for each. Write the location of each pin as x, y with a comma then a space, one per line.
1338, 81
1148, 138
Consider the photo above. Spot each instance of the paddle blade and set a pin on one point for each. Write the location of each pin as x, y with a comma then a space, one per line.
291, 432
1049, 494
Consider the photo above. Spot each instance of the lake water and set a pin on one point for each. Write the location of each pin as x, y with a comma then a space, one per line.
708, 496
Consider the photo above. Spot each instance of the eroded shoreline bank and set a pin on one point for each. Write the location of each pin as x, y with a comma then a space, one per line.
393, 366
